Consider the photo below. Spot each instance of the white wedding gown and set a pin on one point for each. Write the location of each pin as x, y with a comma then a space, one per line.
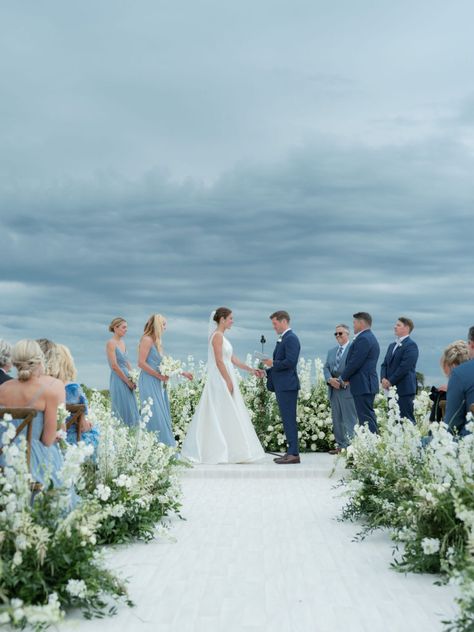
221, 430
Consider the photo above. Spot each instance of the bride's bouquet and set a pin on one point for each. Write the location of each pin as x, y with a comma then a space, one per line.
170, 367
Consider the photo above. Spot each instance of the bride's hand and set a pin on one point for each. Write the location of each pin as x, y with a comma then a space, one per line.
187, 375
230, 386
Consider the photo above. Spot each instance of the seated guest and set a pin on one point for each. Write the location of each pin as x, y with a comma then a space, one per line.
48, 347
5, 361
33, 390
63, 368
460, 393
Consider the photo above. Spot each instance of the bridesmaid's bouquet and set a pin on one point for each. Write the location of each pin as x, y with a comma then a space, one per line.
170, 367
134, 375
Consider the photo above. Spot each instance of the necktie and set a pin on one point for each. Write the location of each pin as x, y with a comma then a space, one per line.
339, 353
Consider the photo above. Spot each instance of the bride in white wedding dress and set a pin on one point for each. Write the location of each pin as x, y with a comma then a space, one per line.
221, 430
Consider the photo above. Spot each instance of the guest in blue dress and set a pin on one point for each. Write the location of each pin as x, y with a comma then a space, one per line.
152, 383
62, 367
33, 390
122, 389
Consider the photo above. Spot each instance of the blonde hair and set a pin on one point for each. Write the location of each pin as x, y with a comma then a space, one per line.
116, 322
63, 367
154, 328
27, 357
455, 354
48, 347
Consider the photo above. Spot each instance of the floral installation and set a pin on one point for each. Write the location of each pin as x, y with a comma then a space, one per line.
135, 479
417, 480
48, 556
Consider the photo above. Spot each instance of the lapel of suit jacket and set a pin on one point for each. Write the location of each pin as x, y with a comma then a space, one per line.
402, 344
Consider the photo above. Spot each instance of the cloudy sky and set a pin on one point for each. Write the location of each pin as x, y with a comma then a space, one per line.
176, 156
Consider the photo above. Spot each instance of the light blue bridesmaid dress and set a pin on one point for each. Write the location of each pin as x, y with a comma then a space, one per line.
43, 459
150, 386
123, 400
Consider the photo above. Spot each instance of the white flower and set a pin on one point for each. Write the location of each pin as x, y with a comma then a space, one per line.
102, 492
430, 545
17, 559
117, 511
77, 588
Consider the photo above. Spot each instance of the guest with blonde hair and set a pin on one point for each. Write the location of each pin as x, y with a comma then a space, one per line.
122, 396
460, 394
151, 382
32, 389
65, 370
5, 360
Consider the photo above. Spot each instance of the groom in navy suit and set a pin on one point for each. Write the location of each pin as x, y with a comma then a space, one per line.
399, 367
282, 378
361, 370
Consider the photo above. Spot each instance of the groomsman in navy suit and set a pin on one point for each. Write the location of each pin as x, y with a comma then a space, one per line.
360, 371
460, 393
399, 367
5, 361
282, 378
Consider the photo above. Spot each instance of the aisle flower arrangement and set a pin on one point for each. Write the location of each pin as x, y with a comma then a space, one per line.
135, 480
418, 481
48, 555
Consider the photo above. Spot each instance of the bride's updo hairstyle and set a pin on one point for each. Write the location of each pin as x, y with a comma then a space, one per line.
27, 358
222, 312
154, 328
455, 354
116, 322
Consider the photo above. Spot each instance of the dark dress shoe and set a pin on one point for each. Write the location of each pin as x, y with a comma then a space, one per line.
335, 451
288, 459
283, 456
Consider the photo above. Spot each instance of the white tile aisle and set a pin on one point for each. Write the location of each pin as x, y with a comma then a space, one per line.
260, 550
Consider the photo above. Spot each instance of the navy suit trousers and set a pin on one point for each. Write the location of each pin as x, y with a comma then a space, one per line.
365, 411
287, 402
405, 403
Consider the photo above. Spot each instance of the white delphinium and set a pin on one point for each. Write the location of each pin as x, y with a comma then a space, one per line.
170, 367
61, 415
319, 365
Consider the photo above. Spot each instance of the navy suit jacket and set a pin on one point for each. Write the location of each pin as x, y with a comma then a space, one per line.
460, 396
283, 375
361, 364
399, 368
4, 377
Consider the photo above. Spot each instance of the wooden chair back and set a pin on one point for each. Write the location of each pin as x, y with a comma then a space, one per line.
76, 410
26, 415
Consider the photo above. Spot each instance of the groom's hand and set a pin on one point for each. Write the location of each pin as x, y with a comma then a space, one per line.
268, 363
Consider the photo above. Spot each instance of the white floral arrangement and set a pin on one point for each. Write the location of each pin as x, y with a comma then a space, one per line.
170, 367
134, 376
135, 481
49, 566
418, 480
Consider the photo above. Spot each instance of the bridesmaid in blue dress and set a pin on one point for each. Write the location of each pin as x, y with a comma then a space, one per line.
152, 383
122, 389
34, 390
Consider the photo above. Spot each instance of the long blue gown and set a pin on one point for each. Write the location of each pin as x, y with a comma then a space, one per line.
123, 400
150, 386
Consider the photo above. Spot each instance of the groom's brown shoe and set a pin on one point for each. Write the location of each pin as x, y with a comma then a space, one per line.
288, 459
283, 456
